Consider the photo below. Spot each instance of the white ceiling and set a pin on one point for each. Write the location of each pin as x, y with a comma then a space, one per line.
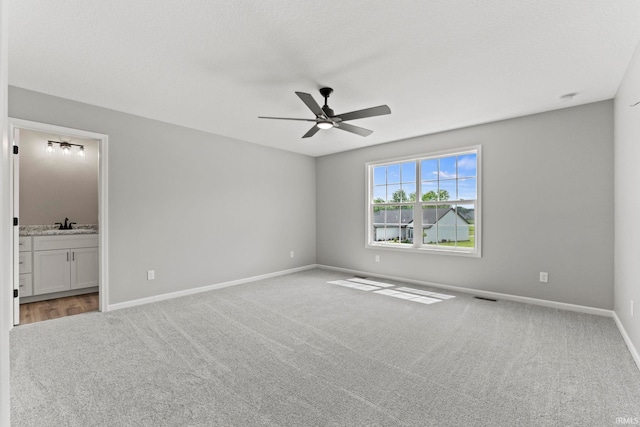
216, 65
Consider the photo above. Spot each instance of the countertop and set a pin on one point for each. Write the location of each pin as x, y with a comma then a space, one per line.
53, 230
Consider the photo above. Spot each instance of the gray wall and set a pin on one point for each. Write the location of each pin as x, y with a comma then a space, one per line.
54, 187
627, 204
547, 205
202, 209
198, 208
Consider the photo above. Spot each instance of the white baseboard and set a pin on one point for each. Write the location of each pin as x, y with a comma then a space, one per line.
627, 340
486, 294
198, 290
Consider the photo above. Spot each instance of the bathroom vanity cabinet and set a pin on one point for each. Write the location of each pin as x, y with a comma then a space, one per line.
26, 267
60, 263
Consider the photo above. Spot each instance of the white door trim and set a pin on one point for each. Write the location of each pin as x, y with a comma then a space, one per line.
103, 197
15, 212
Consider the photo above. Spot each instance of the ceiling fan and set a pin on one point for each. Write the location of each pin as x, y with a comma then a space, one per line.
326, 119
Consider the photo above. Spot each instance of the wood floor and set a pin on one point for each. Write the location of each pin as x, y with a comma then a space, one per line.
55, 308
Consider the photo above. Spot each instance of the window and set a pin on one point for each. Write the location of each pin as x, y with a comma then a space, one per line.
429, 203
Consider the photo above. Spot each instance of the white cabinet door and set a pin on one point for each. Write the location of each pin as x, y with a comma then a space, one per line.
24, 243
52, 271
26, 285
24, 262
84, 268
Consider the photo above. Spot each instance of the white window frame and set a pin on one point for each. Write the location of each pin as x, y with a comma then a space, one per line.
418, 246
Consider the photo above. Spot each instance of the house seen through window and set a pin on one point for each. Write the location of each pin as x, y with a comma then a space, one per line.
426, 203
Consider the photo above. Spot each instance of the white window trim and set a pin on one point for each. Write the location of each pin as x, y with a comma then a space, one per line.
416, 247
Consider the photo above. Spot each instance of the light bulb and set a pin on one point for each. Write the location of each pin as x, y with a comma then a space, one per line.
81, 151
66, 148
49, 147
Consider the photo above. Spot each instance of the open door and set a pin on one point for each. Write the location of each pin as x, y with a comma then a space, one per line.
15, 183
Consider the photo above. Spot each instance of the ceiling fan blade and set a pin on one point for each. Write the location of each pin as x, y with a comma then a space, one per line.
286, 118
354, 129
380, 110
311, 132
312, 104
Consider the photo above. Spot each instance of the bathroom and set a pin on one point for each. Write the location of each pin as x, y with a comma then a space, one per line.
56, 191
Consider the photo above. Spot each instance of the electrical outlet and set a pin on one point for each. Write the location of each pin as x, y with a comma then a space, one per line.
291, 254
377, 258
151, 274
544, 277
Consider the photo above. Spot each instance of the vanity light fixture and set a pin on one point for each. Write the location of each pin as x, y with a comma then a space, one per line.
66, 147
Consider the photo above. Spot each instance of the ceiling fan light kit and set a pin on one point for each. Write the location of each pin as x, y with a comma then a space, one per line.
327, 119
322, 124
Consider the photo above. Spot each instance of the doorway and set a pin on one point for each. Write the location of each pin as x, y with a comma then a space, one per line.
68, 260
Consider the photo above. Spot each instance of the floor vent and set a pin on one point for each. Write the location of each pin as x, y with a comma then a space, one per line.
486, 299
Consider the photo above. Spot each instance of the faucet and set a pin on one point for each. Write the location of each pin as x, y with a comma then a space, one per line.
66, 226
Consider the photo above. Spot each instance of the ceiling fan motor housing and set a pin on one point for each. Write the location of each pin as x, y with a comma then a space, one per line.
325, 92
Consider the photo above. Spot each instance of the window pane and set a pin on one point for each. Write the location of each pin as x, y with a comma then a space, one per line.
410, 190
394, 193
447, 168
463, 234
409, 172
429, 191
430, 214
378, 214
467, 165
430, 234
467, 213
447, 190
375, 222
393, 174
467, 189
465, 228
393, 215
446, 235
406, 215
380, 175
429, 170
393, 233
379, 193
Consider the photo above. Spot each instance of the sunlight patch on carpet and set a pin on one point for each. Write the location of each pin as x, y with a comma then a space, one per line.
401, 292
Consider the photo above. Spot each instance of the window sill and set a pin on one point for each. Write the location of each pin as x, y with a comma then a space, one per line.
472, 253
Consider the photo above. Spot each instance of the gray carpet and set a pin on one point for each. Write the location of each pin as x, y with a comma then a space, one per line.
297, 351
